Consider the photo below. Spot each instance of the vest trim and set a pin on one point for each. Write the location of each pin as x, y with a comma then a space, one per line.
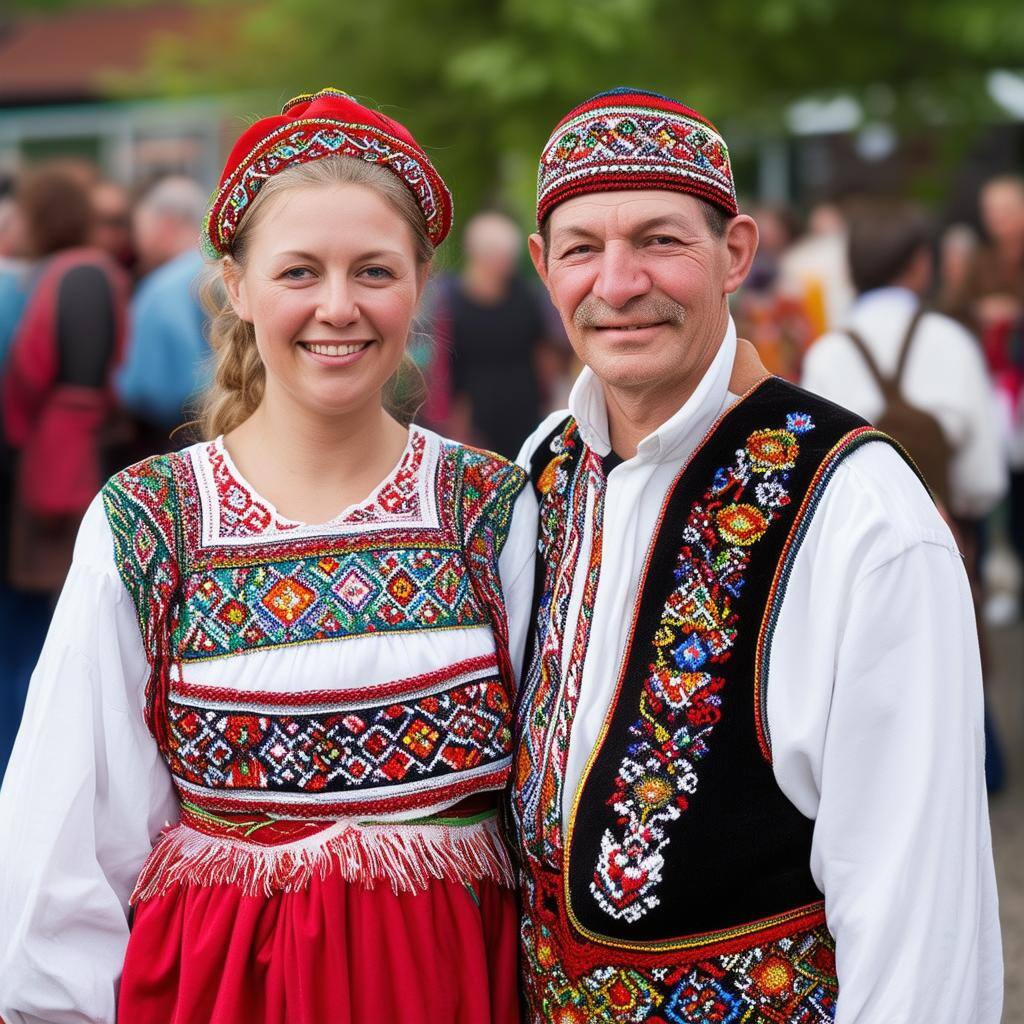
797, 532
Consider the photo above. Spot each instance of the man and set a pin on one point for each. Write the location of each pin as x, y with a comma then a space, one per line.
748, 785
167, 349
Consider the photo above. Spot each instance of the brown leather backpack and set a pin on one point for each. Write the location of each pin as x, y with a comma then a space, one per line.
917, 430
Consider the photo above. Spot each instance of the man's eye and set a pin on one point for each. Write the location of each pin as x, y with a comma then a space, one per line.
578, 250
664, 240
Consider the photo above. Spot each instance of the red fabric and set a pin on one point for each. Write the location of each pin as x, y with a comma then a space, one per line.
331, 953
326, 107
56, 427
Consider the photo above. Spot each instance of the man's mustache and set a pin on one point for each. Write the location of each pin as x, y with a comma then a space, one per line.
645, 309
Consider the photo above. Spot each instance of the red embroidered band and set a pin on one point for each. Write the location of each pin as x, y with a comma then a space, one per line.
310, 127
632, 139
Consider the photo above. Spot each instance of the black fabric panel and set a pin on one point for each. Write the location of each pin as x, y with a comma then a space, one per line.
86, 327
536, 467
741, 850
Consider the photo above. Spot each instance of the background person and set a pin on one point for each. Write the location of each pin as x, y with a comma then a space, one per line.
502, 357
937, 368
56, 402
167, 357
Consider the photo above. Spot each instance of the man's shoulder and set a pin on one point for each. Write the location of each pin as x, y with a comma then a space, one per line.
548, 427
875, 507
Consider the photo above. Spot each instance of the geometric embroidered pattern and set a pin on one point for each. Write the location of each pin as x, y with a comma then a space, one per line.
312, 139
623, 143
347, 593
571, 486
242, 513
681, 699
422, 729
788, 981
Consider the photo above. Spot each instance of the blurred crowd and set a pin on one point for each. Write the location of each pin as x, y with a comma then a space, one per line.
867, 302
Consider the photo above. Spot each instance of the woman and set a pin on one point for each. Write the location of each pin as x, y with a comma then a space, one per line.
327, 693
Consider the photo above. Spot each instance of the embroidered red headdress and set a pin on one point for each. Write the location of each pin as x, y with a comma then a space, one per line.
310, 127
632, 139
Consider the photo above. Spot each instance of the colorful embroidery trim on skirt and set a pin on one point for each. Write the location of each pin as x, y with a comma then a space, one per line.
266, 855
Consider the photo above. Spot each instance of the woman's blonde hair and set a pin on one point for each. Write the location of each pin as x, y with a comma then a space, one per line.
238, 380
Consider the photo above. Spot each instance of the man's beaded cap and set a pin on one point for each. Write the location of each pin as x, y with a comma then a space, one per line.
633, 139
310, 127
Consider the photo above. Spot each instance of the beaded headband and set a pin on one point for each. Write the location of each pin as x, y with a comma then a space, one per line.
632, 139
310, 127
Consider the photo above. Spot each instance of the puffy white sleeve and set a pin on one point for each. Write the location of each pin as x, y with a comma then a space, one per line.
874, 704
85, 795
516, 568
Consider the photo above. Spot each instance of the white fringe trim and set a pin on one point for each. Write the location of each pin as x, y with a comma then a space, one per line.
407, 856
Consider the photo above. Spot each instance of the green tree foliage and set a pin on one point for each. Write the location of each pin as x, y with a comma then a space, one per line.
481, 82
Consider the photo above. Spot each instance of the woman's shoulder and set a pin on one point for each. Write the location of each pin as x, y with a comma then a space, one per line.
482, 479
148, 487
479, 461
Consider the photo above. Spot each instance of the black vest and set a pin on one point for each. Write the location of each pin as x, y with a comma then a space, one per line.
681, 853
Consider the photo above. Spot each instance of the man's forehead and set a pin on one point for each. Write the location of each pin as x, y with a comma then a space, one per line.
623, 211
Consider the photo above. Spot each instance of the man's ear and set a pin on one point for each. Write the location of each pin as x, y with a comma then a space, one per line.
234, 285
741, 241
540, 263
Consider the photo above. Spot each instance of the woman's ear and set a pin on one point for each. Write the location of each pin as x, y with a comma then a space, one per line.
234, 285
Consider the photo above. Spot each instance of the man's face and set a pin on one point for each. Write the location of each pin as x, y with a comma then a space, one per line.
641, 282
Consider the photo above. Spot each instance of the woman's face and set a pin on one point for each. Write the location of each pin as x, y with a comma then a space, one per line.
330, 285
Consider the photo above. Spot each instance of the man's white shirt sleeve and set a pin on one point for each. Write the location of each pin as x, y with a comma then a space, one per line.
874, 706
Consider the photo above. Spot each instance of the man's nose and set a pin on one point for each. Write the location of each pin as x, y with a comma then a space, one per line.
621, 276
337, 304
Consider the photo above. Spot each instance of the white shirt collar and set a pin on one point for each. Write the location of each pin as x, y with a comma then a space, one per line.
679, 434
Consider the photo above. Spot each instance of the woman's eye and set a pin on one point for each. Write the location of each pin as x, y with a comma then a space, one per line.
297, 273
377, 273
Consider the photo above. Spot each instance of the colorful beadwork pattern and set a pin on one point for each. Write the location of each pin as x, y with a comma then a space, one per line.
244, 514
572, 485
789, 981
341, 594
302, 141
632, 139
681, 700
342, 744
367, 574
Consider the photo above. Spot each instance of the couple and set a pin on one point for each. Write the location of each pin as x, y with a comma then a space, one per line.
711, 638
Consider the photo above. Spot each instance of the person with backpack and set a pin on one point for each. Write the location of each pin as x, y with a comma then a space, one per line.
920, 377
917, 375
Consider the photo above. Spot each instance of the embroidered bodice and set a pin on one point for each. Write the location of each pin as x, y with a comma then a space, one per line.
340, 672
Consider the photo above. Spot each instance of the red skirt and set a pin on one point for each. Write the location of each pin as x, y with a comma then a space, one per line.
332, 952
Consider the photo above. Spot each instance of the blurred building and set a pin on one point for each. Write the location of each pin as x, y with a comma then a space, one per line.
58, 72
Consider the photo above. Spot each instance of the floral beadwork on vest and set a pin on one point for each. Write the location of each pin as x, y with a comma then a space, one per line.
681, 700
